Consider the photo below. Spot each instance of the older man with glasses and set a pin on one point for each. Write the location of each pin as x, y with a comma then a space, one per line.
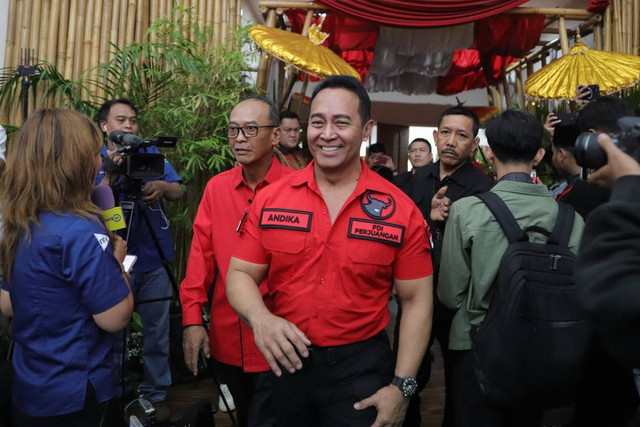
288, 151
253, 132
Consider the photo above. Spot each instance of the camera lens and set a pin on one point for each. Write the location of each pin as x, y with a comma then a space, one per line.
588, 152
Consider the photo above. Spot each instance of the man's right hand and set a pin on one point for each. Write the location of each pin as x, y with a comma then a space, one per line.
280, 342
194, 338
440, 205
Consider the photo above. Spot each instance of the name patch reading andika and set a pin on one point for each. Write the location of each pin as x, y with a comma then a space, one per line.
285, 218
375, 230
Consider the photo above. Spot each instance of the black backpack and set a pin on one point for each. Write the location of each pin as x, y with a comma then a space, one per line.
532, 347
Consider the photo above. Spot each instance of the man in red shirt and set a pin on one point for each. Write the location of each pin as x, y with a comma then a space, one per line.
333, 238
253, 132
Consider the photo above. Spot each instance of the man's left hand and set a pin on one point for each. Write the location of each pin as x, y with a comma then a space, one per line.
390, 403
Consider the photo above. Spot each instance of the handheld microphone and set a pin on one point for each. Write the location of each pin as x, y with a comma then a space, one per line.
102, 197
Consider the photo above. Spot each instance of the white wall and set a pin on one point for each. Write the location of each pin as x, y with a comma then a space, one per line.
4, 16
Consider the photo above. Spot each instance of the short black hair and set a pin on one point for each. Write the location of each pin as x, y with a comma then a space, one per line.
378, 147
351, 84
103, 111
288, 115
421, 140
461, 111
514, 136
603, 113
566, 132
274, 116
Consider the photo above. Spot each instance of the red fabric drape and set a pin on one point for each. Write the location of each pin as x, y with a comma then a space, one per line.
421, 13
598, 5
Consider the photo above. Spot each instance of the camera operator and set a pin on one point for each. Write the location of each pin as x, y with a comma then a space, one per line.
609, 398
149, 280
608, 264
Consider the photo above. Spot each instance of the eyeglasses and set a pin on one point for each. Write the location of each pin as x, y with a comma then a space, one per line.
290, 130
249, 131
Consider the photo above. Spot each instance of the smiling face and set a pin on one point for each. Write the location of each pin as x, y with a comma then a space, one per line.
258, 149
336, 131
455, 141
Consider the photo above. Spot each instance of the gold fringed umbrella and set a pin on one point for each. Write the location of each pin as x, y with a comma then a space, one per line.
301, 51
558, 80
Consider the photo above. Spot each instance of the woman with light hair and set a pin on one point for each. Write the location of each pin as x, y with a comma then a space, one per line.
65, 284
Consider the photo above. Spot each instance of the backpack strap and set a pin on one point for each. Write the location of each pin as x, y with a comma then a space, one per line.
502, 213
564, 224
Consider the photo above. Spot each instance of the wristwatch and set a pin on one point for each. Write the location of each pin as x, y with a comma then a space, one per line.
407, 386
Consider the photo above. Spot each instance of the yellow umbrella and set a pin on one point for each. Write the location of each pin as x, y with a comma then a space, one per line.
558, 80
301, 52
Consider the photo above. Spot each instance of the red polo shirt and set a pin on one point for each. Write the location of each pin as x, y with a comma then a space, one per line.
333, 281
225, 200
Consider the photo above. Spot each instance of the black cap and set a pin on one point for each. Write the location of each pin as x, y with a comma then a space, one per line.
566, 132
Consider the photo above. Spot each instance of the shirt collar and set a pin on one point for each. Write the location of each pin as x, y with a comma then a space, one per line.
273, 174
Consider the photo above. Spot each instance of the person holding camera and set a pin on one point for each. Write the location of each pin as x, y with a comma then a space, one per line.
65, 282
149, 279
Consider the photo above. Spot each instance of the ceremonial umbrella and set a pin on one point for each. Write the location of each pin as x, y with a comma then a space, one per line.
610, 70
302, 52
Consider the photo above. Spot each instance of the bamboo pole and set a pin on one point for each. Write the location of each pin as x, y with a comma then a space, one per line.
122, 23
52, 31
629, 27
105, 30
209, 23
239, 15
202, 13
79, 35
562, 32
217, 24
224, 6
11, 35
616, 26
63, 25
507, 96
88, 35
113, 28
520, 89
153, 16
130, 25
35, 27
635, 46
597, 36
24, 27
608, 37
490, 97
141, 10
71, 39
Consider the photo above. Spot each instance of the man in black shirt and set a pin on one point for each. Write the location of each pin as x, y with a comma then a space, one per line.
450, 178
584, 197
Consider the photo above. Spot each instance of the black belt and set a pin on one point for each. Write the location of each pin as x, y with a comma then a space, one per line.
330, 356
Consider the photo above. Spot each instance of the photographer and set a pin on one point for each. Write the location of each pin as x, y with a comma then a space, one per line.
149, 280
608, 260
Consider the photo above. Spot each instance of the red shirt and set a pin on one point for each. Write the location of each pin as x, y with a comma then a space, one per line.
333, 281
225, 200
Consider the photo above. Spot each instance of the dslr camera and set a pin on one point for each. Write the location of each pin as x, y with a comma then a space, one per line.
590, 155
138, 165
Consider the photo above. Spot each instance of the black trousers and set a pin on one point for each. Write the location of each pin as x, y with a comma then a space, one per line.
331, 380
251, 394
473, 409
89, 416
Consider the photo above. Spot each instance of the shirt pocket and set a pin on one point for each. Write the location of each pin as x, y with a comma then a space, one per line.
371, 263
286, 250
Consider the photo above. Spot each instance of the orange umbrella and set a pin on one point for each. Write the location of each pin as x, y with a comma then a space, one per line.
610, 70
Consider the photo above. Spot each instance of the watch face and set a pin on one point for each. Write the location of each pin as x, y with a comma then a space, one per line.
409, 386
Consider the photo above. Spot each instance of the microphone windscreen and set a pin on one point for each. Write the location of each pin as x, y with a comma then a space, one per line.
102, 197
117, 136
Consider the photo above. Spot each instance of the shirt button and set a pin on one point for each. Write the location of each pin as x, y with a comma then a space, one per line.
328, 245
325, 212
322, 280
